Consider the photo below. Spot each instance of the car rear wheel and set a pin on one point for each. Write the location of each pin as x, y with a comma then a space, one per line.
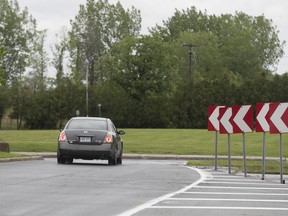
119, 160
112, 160
60, 159
69, 160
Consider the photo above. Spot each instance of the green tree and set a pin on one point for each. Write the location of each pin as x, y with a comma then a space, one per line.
4, 101
96, 27
206, 56
2, 74
17, 31
69, 96
38, 63
59, 50
146, 68
248, 45
114, 100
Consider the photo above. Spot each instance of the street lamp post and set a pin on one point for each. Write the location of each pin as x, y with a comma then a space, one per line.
99, 106
87, 98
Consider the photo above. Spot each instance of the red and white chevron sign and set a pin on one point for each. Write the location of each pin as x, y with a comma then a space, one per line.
213, 114
262, 117
242, 119
278, 113
236, 119
225, 126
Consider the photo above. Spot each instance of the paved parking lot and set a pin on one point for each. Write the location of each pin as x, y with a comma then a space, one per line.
218, 193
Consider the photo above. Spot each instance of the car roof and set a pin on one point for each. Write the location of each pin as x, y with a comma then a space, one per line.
90, 118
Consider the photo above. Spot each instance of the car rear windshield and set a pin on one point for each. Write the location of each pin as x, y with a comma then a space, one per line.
87, 124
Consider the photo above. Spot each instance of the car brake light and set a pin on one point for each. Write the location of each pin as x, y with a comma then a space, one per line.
62, 137
108, 138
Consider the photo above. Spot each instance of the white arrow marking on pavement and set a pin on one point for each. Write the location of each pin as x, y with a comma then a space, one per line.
225, 120
276, 118
239, 118
214, 118
261, 117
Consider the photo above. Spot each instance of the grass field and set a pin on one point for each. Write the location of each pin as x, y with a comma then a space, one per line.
157, 141
166, 141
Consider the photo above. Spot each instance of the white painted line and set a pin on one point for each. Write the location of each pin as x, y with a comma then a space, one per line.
242, 183
244, 188
232, 180
218, 207
227, 176
150, 203
227, 193
232, 200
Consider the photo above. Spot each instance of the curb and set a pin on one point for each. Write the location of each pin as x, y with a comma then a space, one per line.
3, 160
42, 155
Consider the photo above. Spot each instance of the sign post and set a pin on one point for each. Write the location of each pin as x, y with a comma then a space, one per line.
229, 154
213, 125
278, 113
263, 154
244, 154
281, 163
226, 127
216, 150
243, 123
262, 125
236, 119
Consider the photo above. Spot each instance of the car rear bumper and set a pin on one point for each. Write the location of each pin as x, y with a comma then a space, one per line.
87, 152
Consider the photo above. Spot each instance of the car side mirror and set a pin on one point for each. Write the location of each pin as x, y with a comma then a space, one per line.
121, 132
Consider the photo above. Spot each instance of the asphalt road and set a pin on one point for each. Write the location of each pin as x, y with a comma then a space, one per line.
138, 188
219, 194
43, 187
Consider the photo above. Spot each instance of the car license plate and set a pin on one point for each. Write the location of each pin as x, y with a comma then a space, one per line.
85, 139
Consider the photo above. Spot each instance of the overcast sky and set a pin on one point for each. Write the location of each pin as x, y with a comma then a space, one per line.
53, 14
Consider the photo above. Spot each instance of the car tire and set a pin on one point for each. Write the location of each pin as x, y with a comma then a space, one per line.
112, 160
119, 160
60, 159
69, 160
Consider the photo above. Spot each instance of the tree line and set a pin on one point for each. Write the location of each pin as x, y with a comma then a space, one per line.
165, 79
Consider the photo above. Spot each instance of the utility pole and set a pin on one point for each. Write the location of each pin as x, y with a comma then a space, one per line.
190, 59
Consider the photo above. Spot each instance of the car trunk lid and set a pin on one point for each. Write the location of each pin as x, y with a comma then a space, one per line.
85, 136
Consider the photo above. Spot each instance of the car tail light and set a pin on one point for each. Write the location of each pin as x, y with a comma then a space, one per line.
108, 138
62, 137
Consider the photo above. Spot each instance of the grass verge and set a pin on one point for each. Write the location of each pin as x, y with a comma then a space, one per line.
10, 155
156, 141
252, 166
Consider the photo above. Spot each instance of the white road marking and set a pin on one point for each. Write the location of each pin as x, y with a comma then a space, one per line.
230, 193
220, 199
218, 207
240, 183
209, 178
242, 188
234, 180
130, 212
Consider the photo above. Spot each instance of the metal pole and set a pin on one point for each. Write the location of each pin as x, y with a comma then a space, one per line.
244, 153
87, 90
229, 156
190, 63
281, 165
99, 106
216, 149
263, 155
